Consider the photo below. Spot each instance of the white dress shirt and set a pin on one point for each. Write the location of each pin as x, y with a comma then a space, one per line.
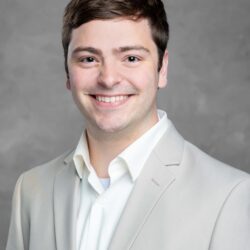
103, 200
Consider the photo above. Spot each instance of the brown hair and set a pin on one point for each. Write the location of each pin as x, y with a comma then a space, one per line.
78, 12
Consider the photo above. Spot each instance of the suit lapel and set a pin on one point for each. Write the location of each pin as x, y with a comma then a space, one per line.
157, 176
66, 188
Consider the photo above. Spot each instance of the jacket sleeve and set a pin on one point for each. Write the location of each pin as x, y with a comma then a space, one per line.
232, 229
15, 237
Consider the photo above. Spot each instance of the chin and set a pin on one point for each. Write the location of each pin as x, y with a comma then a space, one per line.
113, 125
110, 129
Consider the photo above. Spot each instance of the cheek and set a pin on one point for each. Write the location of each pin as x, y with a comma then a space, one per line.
144, 81
80, 79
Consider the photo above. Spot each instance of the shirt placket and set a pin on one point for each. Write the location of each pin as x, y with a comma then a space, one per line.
94, 226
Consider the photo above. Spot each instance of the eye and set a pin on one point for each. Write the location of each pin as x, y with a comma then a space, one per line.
132, 59
87, 59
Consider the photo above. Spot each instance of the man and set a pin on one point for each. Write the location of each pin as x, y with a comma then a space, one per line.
132, 182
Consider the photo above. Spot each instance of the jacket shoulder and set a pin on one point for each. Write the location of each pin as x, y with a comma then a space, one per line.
211, 170
40, 179
50, 168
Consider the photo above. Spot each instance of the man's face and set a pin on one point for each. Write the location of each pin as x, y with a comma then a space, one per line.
113, 75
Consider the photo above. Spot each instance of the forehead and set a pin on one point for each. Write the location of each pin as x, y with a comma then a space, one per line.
113, 32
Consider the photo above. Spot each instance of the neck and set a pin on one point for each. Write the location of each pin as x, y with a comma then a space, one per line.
102, 150
104, 147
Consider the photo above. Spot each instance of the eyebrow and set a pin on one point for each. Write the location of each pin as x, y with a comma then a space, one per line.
87, 49
128, 48
119, 50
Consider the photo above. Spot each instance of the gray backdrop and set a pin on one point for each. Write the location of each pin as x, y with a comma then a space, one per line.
207, 96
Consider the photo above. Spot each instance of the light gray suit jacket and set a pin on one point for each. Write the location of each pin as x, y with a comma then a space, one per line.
183, 200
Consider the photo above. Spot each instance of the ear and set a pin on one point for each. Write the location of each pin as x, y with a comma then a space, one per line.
68, 84
163, 74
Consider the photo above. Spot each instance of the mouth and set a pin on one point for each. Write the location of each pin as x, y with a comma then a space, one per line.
111, 99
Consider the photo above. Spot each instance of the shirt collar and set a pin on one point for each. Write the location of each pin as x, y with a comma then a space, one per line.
81, 156
138, 152
134, 156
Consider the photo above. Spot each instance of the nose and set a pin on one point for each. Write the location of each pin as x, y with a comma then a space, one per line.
109, 75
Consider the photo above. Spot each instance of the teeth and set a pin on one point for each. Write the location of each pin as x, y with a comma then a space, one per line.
112, 99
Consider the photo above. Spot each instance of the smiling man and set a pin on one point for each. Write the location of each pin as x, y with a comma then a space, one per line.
113, 76
132, 182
